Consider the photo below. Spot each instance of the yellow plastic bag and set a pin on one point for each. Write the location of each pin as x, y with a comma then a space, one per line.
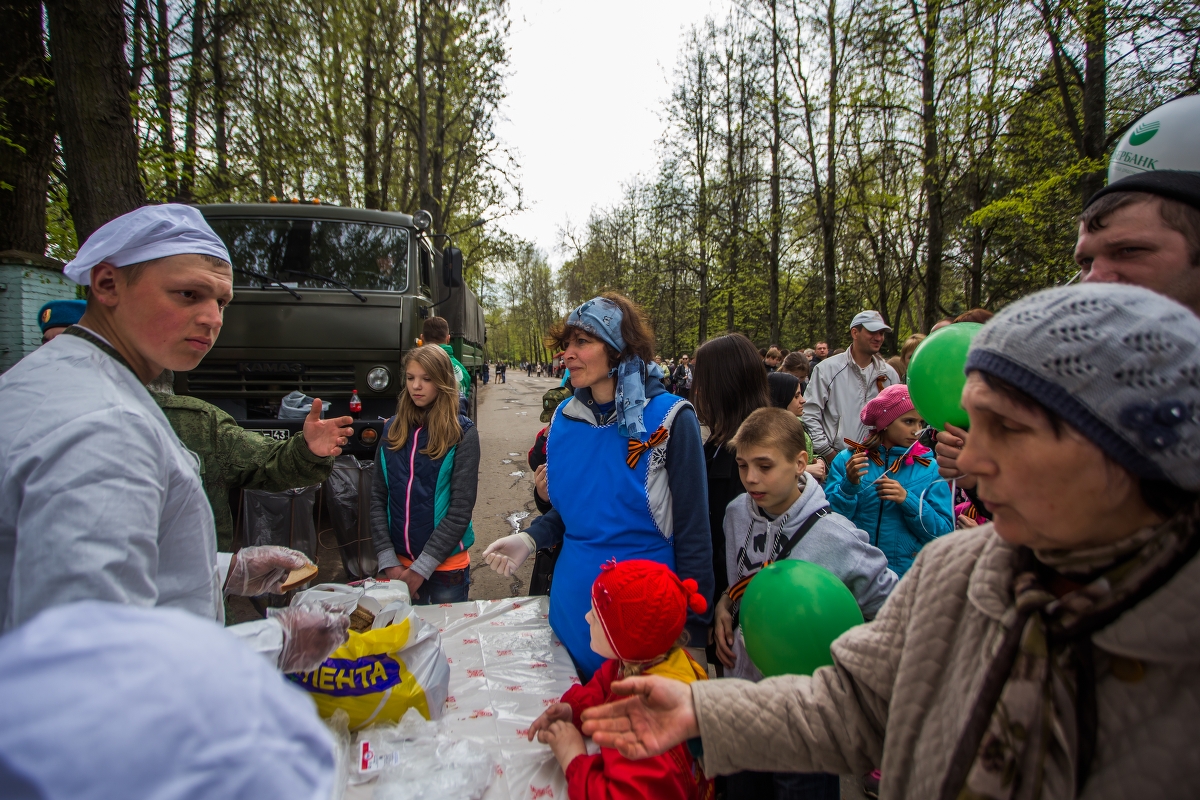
378, 675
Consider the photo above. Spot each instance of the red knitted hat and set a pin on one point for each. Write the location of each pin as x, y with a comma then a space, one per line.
642, 606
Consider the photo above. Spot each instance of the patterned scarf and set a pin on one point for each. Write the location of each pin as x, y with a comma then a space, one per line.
602, 318
1034, 721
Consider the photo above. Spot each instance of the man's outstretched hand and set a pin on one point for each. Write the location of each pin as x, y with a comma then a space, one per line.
658, 715
326, 437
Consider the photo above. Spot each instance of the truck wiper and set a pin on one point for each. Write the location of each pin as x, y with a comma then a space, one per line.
327, 279
267, 280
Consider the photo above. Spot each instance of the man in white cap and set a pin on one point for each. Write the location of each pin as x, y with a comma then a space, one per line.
842, 384
98, 498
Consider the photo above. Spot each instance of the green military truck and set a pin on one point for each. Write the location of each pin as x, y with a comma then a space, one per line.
327, 301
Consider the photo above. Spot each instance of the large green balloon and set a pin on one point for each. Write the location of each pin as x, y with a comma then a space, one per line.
791, 612
935, 374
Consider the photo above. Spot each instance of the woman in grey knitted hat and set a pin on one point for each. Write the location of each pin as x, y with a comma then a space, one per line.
1053, 653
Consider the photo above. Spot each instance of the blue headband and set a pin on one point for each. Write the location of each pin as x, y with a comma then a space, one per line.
601, 318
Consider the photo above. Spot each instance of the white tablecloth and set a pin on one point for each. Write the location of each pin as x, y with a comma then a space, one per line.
506, 667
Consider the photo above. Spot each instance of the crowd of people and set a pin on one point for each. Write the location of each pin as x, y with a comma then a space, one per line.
1027, 583
1047, 654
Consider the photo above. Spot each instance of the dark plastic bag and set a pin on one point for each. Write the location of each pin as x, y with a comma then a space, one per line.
281, 518
348, 495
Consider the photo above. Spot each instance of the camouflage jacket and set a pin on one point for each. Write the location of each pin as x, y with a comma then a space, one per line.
232, 457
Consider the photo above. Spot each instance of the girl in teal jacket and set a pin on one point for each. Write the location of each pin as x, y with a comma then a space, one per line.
889, 484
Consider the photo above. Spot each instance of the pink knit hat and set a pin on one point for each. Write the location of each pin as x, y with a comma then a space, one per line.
888, 406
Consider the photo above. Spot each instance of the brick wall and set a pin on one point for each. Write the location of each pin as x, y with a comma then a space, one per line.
26, 284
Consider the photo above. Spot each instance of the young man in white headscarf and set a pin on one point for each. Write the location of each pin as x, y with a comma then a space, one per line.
98, 497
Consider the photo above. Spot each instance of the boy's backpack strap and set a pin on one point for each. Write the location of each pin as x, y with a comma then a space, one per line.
738, 589
804, 528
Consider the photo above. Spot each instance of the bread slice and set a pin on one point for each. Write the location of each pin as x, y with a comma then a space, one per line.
298, 576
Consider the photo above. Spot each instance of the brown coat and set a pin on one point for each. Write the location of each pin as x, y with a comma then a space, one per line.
915, 670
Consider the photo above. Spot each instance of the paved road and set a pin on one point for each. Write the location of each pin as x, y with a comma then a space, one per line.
508, 423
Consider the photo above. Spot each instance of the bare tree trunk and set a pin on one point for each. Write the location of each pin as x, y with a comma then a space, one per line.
220, 109
187, 180
141, 25
371, 194
975, 276
163, 98
437, 161
931, 162
27, 116
776, 147
1095, 86
424, 196
829, 209
91, 76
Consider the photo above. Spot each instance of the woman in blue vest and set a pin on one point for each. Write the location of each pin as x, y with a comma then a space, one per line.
624, 471
426, 479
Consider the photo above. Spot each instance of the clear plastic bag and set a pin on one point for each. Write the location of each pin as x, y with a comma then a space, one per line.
415, 761
339, 726
334, 596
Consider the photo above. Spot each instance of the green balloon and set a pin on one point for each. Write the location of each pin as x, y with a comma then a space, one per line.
791, 612
935, 374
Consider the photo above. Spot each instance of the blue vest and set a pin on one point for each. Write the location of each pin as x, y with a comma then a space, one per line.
605, 508
418, 491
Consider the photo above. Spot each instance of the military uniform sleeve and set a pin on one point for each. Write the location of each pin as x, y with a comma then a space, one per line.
250, 460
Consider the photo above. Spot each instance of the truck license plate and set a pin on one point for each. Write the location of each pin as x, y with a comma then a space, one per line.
281, 434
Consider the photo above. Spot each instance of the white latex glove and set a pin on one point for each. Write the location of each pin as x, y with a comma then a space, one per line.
507, 554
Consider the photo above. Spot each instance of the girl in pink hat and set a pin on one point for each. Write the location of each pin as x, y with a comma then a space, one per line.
889, 485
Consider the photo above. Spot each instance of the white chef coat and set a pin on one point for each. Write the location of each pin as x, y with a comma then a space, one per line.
103, 701
99, 500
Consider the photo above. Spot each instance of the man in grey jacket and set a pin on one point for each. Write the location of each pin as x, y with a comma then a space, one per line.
841, 385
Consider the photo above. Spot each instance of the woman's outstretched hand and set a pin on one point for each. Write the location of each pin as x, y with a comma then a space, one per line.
658, 715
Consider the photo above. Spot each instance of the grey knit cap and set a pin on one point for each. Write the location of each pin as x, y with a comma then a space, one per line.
1119, 363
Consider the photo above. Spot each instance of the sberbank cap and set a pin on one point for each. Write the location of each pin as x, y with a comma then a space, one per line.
1159, 154
146, 234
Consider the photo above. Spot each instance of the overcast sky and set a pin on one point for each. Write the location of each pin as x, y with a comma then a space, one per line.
584, 101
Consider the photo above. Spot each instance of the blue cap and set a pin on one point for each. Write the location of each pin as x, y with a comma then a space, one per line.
58, 313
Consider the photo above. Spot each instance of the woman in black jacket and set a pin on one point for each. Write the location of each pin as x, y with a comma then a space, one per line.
728, 383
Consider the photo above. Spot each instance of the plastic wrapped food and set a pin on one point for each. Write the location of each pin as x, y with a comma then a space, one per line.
379, 675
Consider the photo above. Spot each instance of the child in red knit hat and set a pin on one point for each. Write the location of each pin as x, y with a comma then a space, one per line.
637, 617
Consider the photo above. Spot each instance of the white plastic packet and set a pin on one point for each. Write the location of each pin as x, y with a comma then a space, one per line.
334, 596
439, 769
415, 760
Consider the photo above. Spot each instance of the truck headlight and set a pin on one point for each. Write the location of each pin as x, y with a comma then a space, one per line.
379, 378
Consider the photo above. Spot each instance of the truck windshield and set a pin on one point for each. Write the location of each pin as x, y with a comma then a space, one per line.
360, 255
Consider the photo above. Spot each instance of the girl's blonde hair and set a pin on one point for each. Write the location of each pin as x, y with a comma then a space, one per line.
440, 417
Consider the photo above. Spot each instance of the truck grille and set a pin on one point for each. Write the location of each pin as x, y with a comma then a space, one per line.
269, 379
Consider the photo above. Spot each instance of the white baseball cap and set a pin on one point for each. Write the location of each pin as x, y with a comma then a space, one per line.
871, 320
